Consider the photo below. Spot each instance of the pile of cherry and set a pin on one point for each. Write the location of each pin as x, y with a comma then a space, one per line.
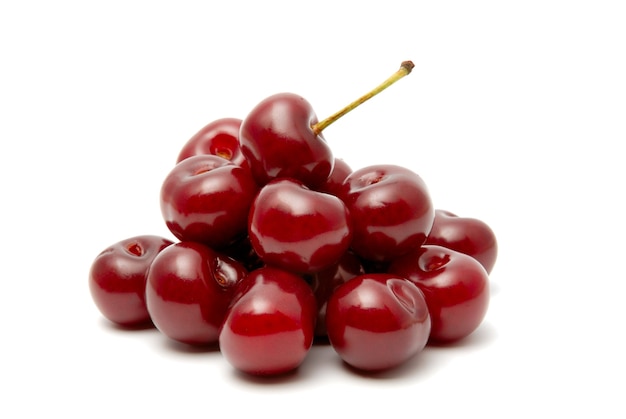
281, 244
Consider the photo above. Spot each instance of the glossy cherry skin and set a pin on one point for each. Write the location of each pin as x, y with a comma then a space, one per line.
455, 285
325, 282
278, 140
269, 327
333, 185
391, 209
466, 235
206, 199
377, 321
117, 279
219, 138
189, 289
298, 229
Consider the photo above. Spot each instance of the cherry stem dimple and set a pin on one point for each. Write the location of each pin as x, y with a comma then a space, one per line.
404, 70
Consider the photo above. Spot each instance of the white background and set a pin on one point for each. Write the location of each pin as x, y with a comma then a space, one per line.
514, 114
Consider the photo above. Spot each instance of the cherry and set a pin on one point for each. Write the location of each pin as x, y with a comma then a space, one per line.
219, 138
455, 285
117, 279
298, 229
281, 136
391, 211
277, 140
325, 282
269, 327
206, 198
188, 291
377, 321
466, 235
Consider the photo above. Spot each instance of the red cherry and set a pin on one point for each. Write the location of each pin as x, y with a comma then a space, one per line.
377, 321
117, 279
455, 285
391, 211
206, 199
466, 235
298, 229
278, 140
269, 327
325, 282
218, 138
281, 136
189, 289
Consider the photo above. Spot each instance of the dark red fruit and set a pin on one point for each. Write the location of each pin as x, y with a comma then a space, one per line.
278, 140
269, 327
298, 229
377, 321
466, 235
189, 289
455, 285
117, 279
391, 211
218, 138
206, 199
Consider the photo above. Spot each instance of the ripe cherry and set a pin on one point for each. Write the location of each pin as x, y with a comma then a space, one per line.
188, 291
206, 199
278, 140
269, 327
218, 138
298, 229
391, 210
455, 285
466, 235
117, 279
281, 136
377, 321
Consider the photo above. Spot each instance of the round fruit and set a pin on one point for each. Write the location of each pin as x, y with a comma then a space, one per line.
206, 199
189, 289
298, 229
219, 138
377, 321
466, 235
269, 327
455, 285
117, 279
278, 140
391, 211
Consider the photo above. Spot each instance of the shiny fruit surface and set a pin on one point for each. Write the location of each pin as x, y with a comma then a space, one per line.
269, 327
218, 138
188, 291
391, 210
466, 235
455, 285
206, 199
117, 279
298, 229
278, 140
377, 321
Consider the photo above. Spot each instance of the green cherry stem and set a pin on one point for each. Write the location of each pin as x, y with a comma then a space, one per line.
404, 70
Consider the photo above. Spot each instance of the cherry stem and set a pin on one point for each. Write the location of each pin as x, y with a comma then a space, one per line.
404, 70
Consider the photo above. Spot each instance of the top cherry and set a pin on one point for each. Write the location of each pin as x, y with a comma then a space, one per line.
281, 136
219, 138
